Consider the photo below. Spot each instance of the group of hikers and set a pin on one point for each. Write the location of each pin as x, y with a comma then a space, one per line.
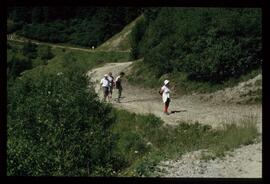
108, 83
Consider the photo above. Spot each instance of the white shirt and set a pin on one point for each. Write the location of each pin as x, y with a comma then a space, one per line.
110, 79
104, 82
166, 93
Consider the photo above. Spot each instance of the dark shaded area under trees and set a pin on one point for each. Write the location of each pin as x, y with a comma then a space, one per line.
84, 26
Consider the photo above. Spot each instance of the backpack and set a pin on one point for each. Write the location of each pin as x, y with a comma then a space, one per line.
117, 84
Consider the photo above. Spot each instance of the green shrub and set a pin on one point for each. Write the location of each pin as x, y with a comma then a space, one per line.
208, 44
17, 63
45, 52
57, 126
12, 26
30, 50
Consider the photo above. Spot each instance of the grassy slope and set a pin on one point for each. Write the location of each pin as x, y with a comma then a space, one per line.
85, 60
120, 41
145, 141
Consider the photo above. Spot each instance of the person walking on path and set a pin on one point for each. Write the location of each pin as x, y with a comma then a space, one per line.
104, 83
118, 85
111, 84
165, 92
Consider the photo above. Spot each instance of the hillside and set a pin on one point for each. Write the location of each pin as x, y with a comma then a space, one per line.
198, 49
82, 26
214, 128
216, 113
121, 40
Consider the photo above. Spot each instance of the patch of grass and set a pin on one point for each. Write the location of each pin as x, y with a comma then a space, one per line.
74, 58
243, 132
122, 38
142, 77
145, 141
258, 82
252, 96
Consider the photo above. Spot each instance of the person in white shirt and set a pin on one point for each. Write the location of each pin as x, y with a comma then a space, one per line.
104, 83
165, 92
118, 85
111, 84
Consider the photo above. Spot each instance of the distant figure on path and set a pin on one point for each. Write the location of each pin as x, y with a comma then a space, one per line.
111, 85
165, 92
104, 83
118, 85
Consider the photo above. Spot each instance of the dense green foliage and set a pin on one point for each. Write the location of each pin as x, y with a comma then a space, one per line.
56, 124
26, 56
85, 26
207, 44
12, 26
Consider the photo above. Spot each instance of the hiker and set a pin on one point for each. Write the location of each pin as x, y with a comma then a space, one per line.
111, 85
118, 85
165, 92
104, 83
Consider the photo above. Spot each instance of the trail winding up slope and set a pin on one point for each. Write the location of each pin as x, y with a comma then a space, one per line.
243, 162
188, 108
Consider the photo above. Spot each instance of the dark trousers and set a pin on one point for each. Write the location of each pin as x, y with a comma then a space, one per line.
119, 93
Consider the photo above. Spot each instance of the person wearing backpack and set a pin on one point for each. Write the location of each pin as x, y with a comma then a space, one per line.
111, 85
104, 83
165, 93
118, 85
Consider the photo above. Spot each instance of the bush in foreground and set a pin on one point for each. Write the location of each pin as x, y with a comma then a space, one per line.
57, 126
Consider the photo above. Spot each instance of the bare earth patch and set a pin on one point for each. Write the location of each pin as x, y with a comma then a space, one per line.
244, 92
190, 108
244, 162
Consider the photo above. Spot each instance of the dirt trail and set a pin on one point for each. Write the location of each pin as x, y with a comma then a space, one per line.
242, 162
188, 108
16, 39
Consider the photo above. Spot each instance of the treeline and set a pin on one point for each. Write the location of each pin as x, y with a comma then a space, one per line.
85, 26
207, 44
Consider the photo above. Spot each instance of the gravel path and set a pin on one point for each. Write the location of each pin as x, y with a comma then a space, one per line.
245, 162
